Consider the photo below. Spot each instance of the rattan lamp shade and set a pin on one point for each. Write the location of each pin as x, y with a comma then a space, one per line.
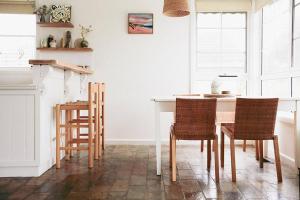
176, 8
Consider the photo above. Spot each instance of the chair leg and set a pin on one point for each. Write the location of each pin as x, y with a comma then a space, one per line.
256, 150
170, 152
57, 113
277, 159
213, 146
173, 158
222, 149
216, 159
208, 154
244, 145
232, 153
202, 145
261, 154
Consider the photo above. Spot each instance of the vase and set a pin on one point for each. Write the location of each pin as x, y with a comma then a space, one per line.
84, 43
215, 86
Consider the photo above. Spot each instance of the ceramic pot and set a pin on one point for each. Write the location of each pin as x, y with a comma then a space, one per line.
84, 43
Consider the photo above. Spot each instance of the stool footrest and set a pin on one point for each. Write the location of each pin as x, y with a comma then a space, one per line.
73, 148
74, 126
81, 140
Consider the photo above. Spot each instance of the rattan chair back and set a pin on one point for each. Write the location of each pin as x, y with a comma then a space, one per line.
195, 119
255, 118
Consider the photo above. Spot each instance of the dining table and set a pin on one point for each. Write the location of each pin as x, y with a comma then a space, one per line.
225, 114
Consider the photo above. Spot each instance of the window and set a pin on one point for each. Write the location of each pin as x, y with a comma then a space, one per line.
296, 37
221, 41
277, 49
17, 39
276, 39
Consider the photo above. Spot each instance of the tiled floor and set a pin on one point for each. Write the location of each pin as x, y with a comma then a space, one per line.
128, 172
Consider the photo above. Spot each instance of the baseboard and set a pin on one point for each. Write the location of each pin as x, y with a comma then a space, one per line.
19, 171
288, 161
129, 142
153, 142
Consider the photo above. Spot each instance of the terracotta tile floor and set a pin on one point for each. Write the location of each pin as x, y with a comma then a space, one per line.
128, 172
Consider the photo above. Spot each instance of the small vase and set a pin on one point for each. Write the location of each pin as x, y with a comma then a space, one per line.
215, 86
53, 44
84, 43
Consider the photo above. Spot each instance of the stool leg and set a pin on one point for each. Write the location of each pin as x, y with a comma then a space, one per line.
78, 131
100, 120
90, 140
103, 129
67, 136
57, 115
96, 128
71, 134
99, 137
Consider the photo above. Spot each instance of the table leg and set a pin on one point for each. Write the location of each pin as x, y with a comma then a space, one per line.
158, 138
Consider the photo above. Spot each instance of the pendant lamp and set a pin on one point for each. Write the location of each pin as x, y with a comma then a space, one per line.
176, 8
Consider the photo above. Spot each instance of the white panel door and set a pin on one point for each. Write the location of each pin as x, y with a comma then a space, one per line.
17, 128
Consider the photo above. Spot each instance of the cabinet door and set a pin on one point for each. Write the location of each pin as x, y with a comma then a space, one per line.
17, 135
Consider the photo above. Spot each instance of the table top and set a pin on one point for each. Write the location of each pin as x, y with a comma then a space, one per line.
227, 99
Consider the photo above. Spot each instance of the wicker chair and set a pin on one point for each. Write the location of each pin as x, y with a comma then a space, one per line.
254, 120
195, 120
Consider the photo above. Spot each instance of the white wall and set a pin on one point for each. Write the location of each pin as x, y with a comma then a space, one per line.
134, 67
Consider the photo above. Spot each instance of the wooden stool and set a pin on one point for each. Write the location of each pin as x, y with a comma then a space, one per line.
82, 118
91, 123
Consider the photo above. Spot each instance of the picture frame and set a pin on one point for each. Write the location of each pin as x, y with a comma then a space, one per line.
140, 23
60, 14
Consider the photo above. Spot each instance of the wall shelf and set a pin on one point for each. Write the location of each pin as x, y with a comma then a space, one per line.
56, 25
66, 49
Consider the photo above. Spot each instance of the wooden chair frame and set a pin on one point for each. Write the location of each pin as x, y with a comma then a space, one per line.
205, 111
267, 114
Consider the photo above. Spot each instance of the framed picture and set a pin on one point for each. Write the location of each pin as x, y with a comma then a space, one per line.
60, 13
140, 23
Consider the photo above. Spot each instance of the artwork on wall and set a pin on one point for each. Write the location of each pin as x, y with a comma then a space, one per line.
60, 13
140, 23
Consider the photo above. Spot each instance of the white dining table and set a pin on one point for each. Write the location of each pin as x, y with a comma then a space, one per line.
225, 114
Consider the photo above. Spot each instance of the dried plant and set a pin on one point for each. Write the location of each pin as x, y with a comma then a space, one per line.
85, 30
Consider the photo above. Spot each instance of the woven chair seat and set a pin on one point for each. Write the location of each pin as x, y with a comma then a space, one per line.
191, 135
228, 129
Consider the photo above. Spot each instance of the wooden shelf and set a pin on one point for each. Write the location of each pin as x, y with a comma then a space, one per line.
56, 25
66, 49
61, 65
